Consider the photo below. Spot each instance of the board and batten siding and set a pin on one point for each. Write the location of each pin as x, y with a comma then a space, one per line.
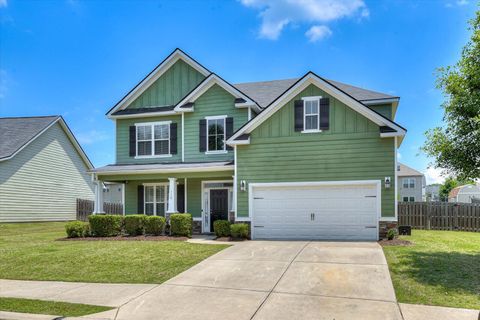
123, 138
384, 109
172, 86
42, 182
350, 150
214, 102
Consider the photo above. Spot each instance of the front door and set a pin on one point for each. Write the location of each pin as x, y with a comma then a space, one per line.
218, 205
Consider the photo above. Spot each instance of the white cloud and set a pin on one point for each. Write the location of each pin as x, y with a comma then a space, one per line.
3, 3
458, 3
277, 14
91, 136
434, 175
462, 2
316, 33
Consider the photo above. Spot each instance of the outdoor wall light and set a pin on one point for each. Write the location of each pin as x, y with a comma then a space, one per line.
243, 185
387, 182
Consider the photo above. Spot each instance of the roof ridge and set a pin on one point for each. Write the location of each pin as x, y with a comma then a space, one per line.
31, 117
249, 82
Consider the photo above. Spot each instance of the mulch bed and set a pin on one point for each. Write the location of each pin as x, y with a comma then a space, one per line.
126, 238
395, 242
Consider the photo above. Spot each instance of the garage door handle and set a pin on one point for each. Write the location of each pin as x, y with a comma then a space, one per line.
258, 226
370, 227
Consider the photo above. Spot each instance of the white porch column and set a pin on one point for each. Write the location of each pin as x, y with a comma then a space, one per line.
172, 195
98, 203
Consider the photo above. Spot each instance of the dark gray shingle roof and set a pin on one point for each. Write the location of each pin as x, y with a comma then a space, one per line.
16, 132
264, 92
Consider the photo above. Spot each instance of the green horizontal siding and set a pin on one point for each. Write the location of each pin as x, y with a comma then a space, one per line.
170, 88
123, 139
351, 150
215, 102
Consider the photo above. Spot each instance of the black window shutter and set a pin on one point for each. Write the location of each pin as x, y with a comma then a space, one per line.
229, 130
133, 141
298, 106
203, 135
140, 199
181, 198
324, 114
173, 138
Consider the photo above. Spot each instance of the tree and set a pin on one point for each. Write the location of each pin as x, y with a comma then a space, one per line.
446, 187
456, 148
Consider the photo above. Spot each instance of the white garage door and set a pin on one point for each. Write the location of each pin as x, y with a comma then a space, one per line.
324, 211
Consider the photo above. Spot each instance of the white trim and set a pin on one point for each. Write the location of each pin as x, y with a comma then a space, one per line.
204, 210
165, 203
235, 180
307, 80
380, 101
396, 177
185, 200
147, 114
251, 186
154, 75
123, 197
312, 98
152, 139
249, 114
390, 134
224, 118
183, 138
239, 142
206, 84
305, 99
173, 170
311, 131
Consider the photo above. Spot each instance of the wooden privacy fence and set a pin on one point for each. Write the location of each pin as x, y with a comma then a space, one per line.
440, 215
85, 208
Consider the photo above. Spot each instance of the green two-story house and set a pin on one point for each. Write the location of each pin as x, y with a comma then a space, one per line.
304, 158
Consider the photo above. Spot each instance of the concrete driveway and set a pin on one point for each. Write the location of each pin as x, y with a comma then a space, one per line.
277, 280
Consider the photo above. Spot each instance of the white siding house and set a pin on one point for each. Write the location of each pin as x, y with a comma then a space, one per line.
43, 170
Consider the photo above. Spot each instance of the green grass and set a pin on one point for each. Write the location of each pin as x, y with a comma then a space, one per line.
29, 251
49, 307
442, 268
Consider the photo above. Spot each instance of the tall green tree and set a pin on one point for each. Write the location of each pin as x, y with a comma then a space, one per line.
456, 146
446, 187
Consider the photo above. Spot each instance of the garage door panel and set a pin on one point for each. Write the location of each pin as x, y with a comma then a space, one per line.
343, 212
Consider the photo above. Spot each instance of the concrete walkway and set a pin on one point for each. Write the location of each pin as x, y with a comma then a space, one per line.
256, 280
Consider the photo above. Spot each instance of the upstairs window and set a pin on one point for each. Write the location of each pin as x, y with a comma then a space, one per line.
216, 134
153, 139
311, 111
408, 183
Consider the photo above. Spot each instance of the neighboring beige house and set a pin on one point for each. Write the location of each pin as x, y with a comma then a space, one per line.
469, 193
43, 170
411, 184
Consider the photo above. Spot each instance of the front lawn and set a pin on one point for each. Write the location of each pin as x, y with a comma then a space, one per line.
29, 251
64, 309
442, 268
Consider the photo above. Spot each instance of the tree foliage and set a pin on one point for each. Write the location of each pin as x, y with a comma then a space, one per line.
456, 147
446, 187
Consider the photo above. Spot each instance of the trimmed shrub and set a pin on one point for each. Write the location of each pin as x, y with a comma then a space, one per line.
239, 230
105, 225
181, 224
134, 224
391, 233
77, 229
154, 225
221, 228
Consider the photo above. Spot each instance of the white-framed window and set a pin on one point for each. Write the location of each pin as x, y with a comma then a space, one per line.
408, 183
216, 131
153, 139
155, 199
311, 114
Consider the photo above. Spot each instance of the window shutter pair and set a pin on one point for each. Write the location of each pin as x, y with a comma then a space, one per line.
324, 114
202, 127
133, 140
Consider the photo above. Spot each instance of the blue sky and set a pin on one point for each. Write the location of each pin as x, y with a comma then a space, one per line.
78, 58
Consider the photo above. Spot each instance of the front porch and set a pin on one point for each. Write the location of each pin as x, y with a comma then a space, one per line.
206, 191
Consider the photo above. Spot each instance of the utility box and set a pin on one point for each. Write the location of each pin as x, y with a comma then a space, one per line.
405, 230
